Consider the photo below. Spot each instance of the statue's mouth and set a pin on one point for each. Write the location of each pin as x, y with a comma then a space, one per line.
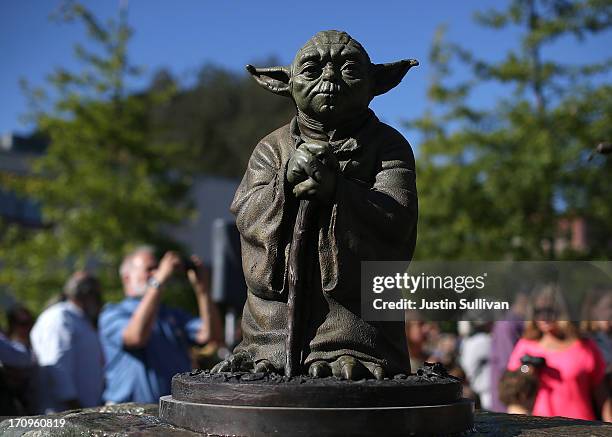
328, 89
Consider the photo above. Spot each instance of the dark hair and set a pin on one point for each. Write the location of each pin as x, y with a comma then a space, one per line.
549, 298
13, 319
517, 388
81, 284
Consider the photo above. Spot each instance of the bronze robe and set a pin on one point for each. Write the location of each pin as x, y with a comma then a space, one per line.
373, 218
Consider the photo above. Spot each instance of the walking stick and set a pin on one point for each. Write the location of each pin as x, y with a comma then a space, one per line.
299, 261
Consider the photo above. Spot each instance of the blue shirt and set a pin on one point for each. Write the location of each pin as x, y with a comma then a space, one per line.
143, 375
70, 358
15, 354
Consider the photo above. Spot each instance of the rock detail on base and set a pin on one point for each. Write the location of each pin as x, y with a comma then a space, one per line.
272, 390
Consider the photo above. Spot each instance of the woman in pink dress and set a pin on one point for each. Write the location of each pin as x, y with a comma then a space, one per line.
570, 380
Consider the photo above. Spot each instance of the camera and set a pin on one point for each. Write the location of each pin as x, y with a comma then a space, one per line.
188, 263
529, 360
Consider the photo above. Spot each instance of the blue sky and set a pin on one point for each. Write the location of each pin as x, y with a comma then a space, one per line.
182, 35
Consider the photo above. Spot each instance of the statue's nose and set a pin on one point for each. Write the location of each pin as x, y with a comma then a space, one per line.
328, 71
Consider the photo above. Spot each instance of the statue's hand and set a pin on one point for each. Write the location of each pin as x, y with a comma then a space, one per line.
347, 367
296, 169
321, 169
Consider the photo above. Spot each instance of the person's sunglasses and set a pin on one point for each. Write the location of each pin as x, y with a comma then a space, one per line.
545, 313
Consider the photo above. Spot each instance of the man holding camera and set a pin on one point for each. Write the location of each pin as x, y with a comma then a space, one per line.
145, 343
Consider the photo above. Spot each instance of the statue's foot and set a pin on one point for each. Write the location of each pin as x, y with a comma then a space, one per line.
242, 362
265, 366
347, 367
238, 362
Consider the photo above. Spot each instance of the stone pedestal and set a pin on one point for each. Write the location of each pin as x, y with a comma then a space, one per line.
259, 405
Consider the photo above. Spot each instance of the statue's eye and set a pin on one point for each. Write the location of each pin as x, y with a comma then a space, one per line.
351, 70
311, 71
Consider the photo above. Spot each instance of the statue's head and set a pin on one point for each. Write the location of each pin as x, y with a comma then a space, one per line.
332, 78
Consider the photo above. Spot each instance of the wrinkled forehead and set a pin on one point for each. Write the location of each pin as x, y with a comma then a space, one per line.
331, 44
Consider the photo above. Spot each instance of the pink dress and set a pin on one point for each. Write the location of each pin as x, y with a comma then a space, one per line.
568, 380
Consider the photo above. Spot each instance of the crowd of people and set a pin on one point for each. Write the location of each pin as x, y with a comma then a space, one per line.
78, 353
545, 366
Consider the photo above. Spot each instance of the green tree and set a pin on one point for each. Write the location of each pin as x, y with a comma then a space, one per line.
494, 183
220, 119
104, 184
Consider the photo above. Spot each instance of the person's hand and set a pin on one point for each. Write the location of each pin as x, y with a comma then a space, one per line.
200, 277
169, 263
314, 169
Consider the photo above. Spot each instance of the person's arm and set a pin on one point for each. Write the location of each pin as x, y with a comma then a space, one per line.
514, 362
599, 388
211, 328
603, 402
137, 332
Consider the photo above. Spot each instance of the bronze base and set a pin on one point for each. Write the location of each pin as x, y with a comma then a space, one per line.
225, 420
243, 404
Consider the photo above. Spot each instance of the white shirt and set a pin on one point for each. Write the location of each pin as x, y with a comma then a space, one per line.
474, 360
68, 351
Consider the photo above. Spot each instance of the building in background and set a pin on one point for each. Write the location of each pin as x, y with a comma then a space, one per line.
16, 152
212, 197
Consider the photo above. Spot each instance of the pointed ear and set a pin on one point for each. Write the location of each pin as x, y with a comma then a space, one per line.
388, 76
275, 79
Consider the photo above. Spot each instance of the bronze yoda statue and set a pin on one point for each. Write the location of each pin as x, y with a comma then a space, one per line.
332, 188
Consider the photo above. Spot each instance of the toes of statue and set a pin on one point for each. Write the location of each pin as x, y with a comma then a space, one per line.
264, 366
223, 366
376, 370
241, 362
320, 369
348, 367
238, 362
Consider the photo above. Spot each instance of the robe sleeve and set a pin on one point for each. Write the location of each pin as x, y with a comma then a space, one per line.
263, 217
390, 205
373, 221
